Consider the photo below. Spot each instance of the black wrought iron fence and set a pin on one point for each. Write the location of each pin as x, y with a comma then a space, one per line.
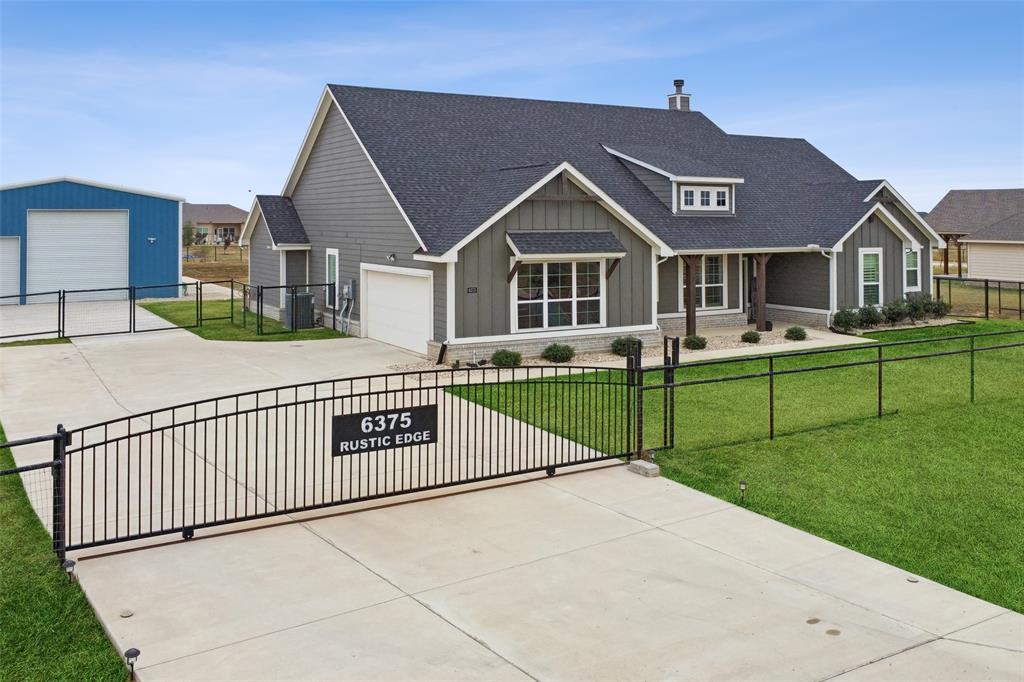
294, 307
976, 297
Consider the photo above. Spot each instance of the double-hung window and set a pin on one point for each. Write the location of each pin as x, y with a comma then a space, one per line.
710, 283
558, 295
912, 270
870, 277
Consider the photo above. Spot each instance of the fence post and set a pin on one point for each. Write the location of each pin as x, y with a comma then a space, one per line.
630, 381
60, 314
259, 310
59, 447
972, 369
131, 309
291, 293
199, 307
879, 382
638, 369
986, 299
771, 397
232, 305
999, 297
672, 392
334, 308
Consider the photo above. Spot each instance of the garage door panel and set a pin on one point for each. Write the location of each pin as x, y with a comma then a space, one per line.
398, 309
10, 270
77, 250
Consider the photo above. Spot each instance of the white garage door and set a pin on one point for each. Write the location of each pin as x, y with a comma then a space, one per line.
398, 309
77, 250
10, 269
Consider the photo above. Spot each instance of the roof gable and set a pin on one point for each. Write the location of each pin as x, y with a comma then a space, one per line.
962, 211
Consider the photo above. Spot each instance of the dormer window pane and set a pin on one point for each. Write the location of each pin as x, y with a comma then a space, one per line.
721, 198
687, 197
705, 197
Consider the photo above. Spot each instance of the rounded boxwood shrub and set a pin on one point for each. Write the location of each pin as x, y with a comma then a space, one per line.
694, 342
919, 305
796, 333
750, 336
870, 316
506, 358
940, 308
625, 346
559, 352
846, 319
896, 311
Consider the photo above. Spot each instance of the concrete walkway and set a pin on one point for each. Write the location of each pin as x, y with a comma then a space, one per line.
593, 575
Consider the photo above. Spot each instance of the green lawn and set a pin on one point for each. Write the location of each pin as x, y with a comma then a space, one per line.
968, 298
34, 342
934, 486
183, 313
48, 631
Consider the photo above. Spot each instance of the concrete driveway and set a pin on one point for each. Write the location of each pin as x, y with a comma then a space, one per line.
599, 574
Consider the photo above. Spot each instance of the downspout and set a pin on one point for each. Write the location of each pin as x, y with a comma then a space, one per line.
832, 283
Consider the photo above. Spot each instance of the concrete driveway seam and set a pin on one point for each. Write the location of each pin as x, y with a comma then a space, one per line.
880, 658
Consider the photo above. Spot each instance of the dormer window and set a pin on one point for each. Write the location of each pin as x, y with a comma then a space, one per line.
692, 198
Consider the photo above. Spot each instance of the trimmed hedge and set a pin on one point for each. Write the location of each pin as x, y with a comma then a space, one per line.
796, 333
750, 336
846, 319
559, 352
695, 342
506, 358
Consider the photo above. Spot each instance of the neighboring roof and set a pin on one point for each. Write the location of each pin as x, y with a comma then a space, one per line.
282, 220
212, 213
564, 242
437, 153
669, 160
962, 211
1009, 229
91, 183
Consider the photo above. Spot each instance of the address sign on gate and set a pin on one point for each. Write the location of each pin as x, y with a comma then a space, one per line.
383, 430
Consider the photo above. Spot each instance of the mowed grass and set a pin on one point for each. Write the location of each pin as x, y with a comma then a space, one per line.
933, 486
34, 342
48, 630
183, 313
968, 298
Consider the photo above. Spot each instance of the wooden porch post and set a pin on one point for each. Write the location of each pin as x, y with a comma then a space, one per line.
760, 295
959, 259
945, 259
692, 262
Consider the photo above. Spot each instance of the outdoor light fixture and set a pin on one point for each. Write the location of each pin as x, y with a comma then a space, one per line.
743, 491
69, 568
130, 657
151, 240
391, 258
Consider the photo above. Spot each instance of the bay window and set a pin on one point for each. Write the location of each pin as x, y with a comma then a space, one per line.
710, 279
558, 295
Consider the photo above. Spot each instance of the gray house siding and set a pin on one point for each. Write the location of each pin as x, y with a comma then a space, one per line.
344, 205
798, 279
873, 233
264, 262
484, 263
659, 185
668, 284
295, 267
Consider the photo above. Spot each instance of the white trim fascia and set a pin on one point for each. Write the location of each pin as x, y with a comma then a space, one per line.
282, 266
364, 313
910, 212
450, 300
833, 282
547, 333
427, 258
290, 247
798, 309
654, 286
92, 183
889, 221
312, 132
670, 176
860, 273
701, 180
250, 223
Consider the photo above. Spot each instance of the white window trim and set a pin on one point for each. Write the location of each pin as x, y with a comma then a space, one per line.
724, 284
514, 294
860, 274
697, 189
907, 270
332, 305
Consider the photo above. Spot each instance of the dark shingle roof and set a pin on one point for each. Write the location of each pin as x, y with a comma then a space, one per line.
439, 151
962, 211
212, 213
566, 242
1009, 229
282, 220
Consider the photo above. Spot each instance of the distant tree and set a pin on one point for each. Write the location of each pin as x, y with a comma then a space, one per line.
188, 234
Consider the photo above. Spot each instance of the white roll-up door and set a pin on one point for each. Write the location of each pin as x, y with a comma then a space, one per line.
398, 309
10, 269
77, 250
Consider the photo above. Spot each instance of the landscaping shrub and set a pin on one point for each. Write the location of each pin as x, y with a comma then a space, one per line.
506, 358
846, 319
796, 333
870, 316
625, 346
919, 305
895, 312
940, 308
750, 336
694, 342
559, 352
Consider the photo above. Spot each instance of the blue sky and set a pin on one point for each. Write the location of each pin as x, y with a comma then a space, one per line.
211, 100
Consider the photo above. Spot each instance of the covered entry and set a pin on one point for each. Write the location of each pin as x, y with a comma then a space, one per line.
396, 306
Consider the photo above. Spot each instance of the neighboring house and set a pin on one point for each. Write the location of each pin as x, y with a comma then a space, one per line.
215, 223
68, 233
964, 211
486, 222
996, 251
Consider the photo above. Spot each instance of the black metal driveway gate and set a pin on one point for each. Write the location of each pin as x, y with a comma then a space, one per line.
286, 450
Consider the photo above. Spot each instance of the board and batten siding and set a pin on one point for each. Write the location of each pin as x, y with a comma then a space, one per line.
872, 234
344, 205
668, 284
996, 261
658, 184
264, 262
484, 264
799, 280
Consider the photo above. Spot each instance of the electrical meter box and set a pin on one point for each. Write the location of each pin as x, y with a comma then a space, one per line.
347, 288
